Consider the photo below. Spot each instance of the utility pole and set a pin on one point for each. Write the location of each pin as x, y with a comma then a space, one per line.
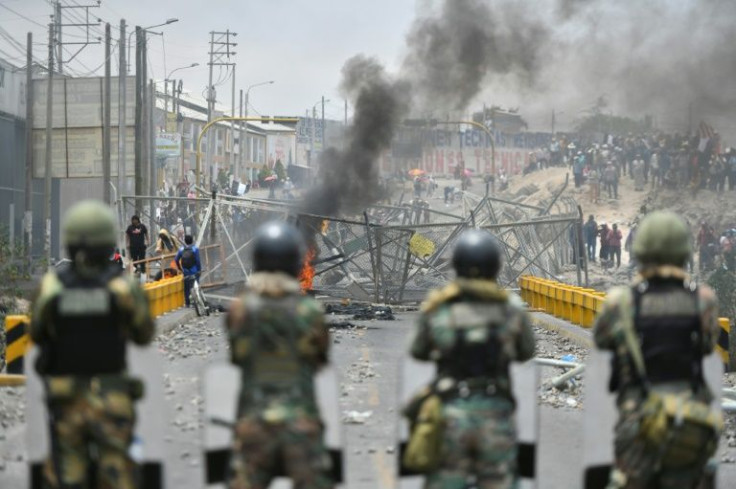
241, 138
146, 128
122, 108
139, 43
106, 133
58, 39
323, 123
311, 139
314, 129
180, 124
553, 121
232, 127
220, 54
47, 163
28, 216
210, 106
152, 180
85, 24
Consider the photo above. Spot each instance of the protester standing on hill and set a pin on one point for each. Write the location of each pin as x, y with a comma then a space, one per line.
603, 233
590, 231
610, 178
614, 245
637, 172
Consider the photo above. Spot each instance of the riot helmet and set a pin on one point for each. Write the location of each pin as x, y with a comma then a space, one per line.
663, 238
278, 247
477, 254
89, 232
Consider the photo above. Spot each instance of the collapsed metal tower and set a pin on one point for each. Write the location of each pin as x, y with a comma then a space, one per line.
391, 254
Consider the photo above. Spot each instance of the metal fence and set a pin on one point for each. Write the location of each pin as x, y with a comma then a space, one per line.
390, 254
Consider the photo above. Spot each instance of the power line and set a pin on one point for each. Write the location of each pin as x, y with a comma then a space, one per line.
22, 16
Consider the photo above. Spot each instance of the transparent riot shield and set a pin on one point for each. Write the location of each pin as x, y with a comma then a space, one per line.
221, 389
601, 414
599, 420
148, 443
416, 375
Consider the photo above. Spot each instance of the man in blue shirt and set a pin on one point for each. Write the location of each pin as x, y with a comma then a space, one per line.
187, 259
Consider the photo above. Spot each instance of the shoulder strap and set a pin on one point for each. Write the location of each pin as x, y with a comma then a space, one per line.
632, 343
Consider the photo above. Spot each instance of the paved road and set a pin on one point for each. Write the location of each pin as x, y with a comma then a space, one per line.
367, 357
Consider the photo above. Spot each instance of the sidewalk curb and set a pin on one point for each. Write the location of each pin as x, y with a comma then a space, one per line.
580, 336
169, 321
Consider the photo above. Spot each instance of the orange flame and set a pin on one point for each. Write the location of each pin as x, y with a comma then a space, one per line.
306, 276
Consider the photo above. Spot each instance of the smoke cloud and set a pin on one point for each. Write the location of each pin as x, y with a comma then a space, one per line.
452, 53
348, 178
644, 58
657, 58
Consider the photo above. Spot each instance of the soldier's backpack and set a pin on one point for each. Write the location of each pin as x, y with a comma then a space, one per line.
188, 259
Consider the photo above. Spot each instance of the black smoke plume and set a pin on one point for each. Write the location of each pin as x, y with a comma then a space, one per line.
453, 52
348, 178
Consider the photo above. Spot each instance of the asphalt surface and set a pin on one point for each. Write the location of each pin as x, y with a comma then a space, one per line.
368, 357
367, 354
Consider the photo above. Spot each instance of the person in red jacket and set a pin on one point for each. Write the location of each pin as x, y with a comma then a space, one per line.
614, 244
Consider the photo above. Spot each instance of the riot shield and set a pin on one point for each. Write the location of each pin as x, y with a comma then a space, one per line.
601, 414
148, 445
221, 389
416, 375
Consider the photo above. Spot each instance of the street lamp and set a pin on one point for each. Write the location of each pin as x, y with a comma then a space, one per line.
146, 29
173, 89
244, 111
247, 92
193, 65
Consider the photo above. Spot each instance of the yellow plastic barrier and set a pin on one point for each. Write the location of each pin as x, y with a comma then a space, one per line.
579, 305
165, 295
17, 339
723, 344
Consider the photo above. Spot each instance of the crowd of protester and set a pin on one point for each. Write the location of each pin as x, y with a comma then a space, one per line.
715, 249
650, 160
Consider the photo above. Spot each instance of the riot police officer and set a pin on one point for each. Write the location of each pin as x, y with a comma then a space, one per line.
279, 340
472, 329
659, 329
83, 317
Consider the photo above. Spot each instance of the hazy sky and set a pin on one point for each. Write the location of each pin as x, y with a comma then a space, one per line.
657, 58
299, 44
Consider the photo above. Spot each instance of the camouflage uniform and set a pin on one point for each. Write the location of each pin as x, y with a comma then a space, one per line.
88, 409
639, 465
479, 436
279, 339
